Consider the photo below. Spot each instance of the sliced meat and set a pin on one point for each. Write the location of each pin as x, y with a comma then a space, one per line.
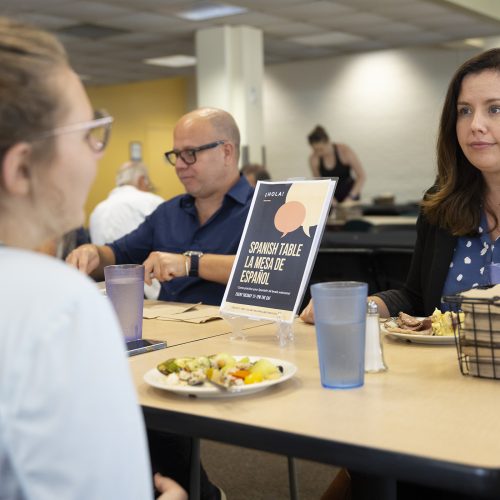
410, 324
408, 331
407, 320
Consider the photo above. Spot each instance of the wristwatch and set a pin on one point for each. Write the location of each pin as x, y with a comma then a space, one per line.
195, 257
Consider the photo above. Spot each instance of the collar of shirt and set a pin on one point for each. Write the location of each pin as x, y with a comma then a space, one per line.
240, 193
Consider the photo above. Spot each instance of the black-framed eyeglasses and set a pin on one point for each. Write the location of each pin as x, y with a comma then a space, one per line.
188, 156
98, 130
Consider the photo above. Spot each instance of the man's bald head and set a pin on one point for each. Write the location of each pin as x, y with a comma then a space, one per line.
222, 123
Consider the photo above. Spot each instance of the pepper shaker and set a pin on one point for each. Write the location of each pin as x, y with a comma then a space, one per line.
374, 356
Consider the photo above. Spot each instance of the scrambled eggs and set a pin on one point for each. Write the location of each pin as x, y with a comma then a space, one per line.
443, 323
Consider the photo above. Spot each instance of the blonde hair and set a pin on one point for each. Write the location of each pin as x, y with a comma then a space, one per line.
29, 104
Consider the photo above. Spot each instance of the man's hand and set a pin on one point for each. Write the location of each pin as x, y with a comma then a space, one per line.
307, 315
164, 266
85, 258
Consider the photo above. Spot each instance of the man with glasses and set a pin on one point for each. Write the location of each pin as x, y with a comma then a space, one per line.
188, 243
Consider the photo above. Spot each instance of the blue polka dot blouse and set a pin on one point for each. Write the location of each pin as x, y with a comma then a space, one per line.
471, 264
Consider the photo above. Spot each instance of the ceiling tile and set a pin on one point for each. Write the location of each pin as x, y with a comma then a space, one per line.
150, 22
9, 6
353, 21
266, 5
152, 30
292, 29
412, 11
86, 11
45, 21
312, 10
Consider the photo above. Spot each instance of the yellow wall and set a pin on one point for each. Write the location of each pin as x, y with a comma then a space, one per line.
145, 112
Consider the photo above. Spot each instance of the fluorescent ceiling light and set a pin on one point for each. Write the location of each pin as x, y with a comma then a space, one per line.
466, 44
475, 42
326, 39
208, 10
178, 61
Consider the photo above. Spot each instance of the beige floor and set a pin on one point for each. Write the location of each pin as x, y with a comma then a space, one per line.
253, 475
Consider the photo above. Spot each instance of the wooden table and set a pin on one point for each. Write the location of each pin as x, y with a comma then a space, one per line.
422, 421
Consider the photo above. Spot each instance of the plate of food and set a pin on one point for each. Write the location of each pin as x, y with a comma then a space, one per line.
434, 329
219, 375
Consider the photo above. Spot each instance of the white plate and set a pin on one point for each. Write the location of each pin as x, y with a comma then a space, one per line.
156, 379
419, 339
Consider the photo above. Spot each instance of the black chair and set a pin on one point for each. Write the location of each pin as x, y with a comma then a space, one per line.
391, 267
358, 225
342, 264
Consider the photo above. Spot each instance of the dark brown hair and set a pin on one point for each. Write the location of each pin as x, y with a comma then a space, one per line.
455, 201
318, 135
29, 104
260, 172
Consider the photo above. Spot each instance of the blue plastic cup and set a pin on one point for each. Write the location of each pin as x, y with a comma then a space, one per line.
125, 288
340, 318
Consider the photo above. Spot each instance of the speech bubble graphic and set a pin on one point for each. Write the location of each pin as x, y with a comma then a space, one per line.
311, 196
289, 217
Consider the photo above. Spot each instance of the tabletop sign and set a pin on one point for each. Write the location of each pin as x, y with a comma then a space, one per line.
277, 250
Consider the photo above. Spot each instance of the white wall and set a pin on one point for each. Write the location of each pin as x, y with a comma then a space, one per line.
385, 105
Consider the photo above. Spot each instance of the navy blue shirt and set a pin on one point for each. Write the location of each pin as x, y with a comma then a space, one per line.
174, 227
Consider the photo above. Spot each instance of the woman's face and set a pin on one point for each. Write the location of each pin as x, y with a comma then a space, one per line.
478, 120
62, 186
321, 148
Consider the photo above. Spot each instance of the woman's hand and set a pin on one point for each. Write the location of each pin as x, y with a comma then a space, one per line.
169, 489
307, 315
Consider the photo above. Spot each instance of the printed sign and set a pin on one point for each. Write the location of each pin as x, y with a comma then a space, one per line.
278, 248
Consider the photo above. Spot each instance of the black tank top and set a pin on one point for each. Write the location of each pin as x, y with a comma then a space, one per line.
342, 171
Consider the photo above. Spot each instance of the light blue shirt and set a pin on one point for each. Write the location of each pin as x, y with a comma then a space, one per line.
70, 424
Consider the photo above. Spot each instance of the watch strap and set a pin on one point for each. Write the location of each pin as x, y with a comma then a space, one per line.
194, 257
195, 264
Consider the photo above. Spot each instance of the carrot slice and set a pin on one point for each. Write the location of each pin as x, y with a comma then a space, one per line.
240, 373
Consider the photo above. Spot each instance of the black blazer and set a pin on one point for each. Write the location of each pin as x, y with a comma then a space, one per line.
422, 291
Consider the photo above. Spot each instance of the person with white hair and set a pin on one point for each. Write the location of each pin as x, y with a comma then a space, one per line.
126, 206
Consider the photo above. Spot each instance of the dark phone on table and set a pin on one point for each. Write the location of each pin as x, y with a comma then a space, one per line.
144, 345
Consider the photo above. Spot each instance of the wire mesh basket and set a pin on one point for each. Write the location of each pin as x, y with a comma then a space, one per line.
477, 334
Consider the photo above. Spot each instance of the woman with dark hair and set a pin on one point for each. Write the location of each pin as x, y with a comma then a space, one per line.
70, 422
459, 224
458, 227
336, 160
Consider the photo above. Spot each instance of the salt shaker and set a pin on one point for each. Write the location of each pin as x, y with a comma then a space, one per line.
374, 357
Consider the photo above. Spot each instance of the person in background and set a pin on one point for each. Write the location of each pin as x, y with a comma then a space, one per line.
189, 242
71, 426
126, 206
336, 160
459, 224
255, 172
